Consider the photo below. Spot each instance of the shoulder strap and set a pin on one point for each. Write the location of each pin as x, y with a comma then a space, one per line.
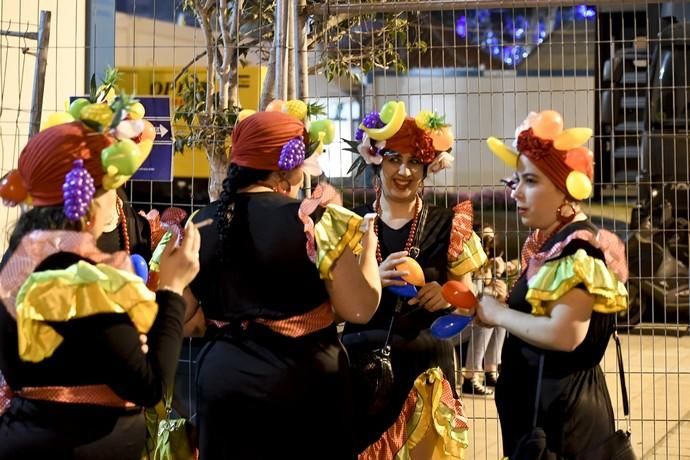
417, 242
621, 374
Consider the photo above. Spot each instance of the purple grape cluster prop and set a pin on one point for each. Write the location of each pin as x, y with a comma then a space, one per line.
292, 154
371, 121
77, 191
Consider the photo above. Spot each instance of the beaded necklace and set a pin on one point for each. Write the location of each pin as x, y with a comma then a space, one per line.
410, 237
122, 224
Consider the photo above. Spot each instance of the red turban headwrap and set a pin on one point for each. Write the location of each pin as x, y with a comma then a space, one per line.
546, 157
412, 139
50, 155
258, 139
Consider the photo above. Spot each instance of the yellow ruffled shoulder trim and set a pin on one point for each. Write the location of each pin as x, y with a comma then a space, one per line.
78, 291
470, 259
337, 229
556, 277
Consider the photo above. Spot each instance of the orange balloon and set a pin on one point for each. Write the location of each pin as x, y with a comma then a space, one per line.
458, 295
581, 159
548, 124
12, 187
442, 138
149, 131
415, 274
276, 105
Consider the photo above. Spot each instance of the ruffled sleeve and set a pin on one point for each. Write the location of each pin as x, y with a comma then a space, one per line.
337, 229
556, 277
78, 291
465, 252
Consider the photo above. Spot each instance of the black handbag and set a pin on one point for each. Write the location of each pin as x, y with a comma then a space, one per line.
615, 447
371, 370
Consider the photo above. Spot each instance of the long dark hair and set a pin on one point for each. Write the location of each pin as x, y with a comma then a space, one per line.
238, 178
40, 218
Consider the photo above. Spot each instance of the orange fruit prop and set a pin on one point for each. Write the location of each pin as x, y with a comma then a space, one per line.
458, 295
548, 124
415, 274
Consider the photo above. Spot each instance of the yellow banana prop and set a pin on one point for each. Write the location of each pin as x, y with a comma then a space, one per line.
381, 134
502, 151
571, 138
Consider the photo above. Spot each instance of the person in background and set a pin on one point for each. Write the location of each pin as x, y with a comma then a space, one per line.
560, 313
125, 230
480, 369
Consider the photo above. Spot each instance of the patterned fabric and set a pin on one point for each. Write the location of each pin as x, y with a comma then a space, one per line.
5, 395
337, 229
612, 247
430, 404
37, 246
321, 196
557, 277
100, 395
79, 291
465, 252
297, 326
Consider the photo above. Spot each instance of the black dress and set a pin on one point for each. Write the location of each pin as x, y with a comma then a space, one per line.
413, 349
262, 394
97, 349
575, 409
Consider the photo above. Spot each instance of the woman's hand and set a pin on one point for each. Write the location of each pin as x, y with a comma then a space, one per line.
180, 264
430, 298
489, 310
501, 289
389, 275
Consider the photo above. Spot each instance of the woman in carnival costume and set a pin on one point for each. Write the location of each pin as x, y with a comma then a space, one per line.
563, 305
84, 345
420, 415
275, 272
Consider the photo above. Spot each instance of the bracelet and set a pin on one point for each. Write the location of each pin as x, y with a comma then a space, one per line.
168, 288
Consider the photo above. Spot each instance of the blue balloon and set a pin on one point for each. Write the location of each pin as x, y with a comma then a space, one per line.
448, 326
141, 268
406, 291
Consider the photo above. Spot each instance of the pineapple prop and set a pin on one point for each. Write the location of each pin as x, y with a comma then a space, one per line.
440, 132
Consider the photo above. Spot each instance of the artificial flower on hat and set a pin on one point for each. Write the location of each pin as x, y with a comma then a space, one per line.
557, 152
426, 136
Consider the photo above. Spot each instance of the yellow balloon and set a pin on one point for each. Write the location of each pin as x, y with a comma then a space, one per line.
244, 114
571, 138
137, 111
55, 119
388, 131
579, 186
502, 151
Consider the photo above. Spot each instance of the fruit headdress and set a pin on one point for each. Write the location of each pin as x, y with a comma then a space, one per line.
558, 153
98, 142
426, 136
283, 137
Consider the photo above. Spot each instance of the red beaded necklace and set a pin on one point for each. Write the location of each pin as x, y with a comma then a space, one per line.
410, 237
122, 223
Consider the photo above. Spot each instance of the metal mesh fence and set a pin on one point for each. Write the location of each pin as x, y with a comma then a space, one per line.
619, 67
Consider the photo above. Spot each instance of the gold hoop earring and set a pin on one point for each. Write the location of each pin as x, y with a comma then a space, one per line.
565, 215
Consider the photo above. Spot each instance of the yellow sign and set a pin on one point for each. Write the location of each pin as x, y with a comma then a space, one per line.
144, 81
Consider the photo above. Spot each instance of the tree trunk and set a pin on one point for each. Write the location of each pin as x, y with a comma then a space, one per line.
219, 163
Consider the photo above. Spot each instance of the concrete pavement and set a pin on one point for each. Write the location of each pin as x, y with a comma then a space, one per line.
657, 365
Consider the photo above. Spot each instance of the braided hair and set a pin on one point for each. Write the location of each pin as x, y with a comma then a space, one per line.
238, 177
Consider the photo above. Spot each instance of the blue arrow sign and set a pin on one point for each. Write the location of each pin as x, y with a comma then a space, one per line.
158, 166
